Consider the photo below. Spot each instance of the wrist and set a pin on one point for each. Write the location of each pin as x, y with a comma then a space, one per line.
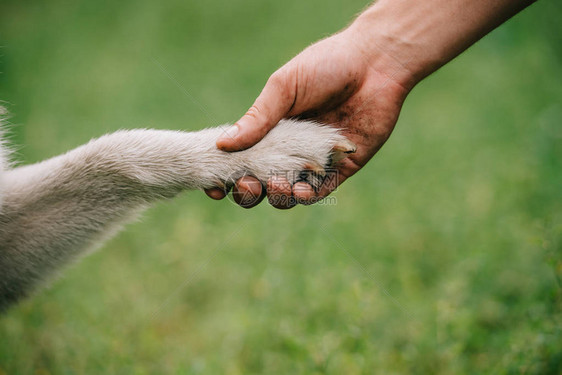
418, 37
383, 34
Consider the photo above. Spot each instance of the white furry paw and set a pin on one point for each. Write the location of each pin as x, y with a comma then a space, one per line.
296, 150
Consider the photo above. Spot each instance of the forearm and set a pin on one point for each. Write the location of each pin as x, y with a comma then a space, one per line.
55, 210
52, 211
410, 39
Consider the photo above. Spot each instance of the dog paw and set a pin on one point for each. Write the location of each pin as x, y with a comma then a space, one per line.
298, 151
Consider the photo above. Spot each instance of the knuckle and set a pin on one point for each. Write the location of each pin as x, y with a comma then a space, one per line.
282, 82
259, 119
254, 113
278, 79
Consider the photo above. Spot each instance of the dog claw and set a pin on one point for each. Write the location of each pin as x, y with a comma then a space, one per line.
345, 146
316, 168
342, 149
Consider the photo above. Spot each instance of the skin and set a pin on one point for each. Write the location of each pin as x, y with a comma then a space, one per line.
357, 80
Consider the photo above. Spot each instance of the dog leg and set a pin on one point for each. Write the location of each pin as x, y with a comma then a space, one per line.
54, 210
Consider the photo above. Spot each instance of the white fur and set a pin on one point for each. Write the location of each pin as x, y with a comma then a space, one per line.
54, 210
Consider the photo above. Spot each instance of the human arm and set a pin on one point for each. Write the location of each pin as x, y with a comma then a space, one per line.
359, 78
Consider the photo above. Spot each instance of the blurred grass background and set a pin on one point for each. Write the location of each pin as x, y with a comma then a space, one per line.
443, 256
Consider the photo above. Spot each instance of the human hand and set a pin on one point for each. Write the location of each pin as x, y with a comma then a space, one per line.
357, 80
335, 82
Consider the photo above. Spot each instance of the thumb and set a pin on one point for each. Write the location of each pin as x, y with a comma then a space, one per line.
273, 103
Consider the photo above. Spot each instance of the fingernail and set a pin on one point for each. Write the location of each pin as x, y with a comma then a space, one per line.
230, 132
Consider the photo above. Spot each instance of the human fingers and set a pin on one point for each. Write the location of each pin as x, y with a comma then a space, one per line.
215, 193
248, 192
279, 193
272, 105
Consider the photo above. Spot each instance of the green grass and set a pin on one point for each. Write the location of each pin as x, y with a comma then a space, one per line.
443, 256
